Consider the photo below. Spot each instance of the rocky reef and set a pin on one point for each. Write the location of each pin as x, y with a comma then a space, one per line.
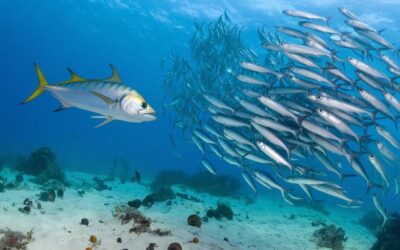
42, 163
389, 235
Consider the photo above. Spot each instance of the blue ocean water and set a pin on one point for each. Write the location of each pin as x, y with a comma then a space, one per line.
134, 36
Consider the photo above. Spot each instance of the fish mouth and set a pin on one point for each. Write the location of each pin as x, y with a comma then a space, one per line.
150, 116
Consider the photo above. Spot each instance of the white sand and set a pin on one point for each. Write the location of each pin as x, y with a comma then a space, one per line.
262, 225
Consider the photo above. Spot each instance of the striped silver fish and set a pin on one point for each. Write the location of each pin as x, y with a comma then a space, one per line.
109, 98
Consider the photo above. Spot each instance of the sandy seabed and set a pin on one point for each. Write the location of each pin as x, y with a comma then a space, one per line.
265, 224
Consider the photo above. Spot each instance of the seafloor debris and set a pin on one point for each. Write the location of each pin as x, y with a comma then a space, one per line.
175, 246
389, 235
14, 240
194, 220
222, 210
330, 237
151, 246
100, 184
188, 197
141, 224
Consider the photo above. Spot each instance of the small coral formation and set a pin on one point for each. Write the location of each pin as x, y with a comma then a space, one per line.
389, 235
222, 210
330, 237
148, 201
371, 221
151, 246
160, 194
14, 240
201, 182
42, 164
85, 222
2, 184
135, 203
100, 184
47, 196
175, 246
28, 205
194, 220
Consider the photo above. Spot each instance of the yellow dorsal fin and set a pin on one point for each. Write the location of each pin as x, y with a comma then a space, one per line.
74, 77
114, 75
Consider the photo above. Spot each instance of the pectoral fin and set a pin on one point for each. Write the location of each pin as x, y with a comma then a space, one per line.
106, 99
107, 120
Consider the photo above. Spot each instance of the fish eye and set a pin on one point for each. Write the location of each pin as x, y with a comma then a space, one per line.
318, 97
371, 156
144, 105
350, 59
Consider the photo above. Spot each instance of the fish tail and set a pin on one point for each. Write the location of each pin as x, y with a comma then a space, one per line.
343, 176
371, 185
42, 84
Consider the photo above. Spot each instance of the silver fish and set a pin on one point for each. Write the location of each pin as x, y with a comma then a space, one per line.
109, 97
208, 166
304, 14
274, 155
380, 209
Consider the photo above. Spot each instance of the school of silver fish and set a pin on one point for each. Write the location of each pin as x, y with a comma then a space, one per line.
321, 107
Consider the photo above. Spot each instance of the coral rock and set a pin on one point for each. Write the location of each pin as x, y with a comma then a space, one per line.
194, 220
329, 237
93, 239
135, 203
175, 246
221, 211
85, 222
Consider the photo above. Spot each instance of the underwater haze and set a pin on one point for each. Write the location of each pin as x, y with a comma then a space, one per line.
276, 124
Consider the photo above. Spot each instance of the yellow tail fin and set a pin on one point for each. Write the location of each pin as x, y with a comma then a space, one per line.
42, 84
